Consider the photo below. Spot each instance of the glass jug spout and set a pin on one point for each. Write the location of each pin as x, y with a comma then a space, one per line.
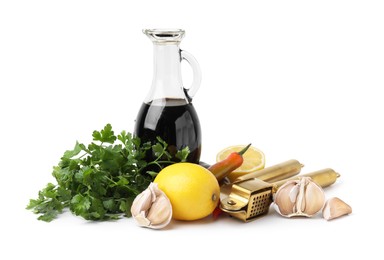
165, 36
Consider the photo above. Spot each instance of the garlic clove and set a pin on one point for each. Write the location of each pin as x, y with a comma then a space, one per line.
293, 193
334, 208
152, 208
300, 202
160, 212
142, 220
314, 198
285, 198
142, 202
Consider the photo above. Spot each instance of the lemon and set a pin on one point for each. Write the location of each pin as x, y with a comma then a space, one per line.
254, 159
193, 190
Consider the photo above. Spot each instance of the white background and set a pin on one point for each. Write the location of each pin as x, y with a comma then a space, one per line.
298, 79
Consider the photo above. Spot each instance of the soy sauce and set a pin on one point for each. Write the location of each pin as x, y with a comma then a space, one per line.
175, 121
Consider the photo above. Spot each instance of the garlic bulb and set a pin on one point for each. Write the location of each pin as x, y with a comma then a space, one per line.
152, 208
301, 197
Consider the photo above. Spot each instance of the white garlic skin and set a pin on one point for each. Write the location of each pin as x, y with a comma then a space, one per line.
152, 208
301, 197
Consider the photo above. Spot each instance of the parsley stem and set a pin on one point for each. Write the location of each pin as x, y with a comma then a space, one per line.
158, 162
111, 180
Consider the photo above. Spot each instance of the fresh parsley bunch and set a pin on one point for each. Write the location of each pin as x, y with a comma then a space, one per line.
101, 180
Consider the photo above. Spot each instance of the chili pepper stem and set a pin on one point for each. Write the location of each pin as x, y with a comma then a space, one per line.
244, 149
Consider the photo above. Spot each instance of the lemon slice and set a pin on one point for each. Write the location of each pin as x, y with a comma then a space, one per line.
254, 159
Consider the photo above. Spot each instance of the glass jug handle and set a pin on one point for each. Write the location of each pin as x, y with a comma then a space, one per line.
191, 91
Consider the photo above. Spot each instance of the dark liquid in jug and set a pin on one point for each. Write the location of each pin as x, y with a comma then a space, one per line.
175, 121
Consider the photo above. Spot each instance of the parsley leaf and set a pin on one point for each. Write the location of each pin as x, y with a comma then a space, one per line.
183, 154
106, 135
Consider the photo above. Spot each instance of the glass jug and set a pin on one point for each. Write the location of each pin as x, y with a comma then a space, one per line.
167, 110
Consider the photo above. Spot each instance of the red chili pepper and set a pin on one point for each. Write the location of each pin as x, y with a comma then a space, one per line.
232, 162
217, 212
223, 168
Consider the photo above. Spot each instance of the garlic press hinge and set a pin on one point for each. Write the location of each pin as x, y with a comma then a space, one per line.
232, 203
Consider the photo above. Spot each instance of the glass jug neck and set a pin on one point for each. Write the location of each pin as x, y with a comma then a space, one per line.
166, 82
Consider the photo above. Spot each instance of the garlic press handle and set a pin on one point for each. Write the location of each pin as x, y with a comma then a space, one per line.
324, 177
273, 173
